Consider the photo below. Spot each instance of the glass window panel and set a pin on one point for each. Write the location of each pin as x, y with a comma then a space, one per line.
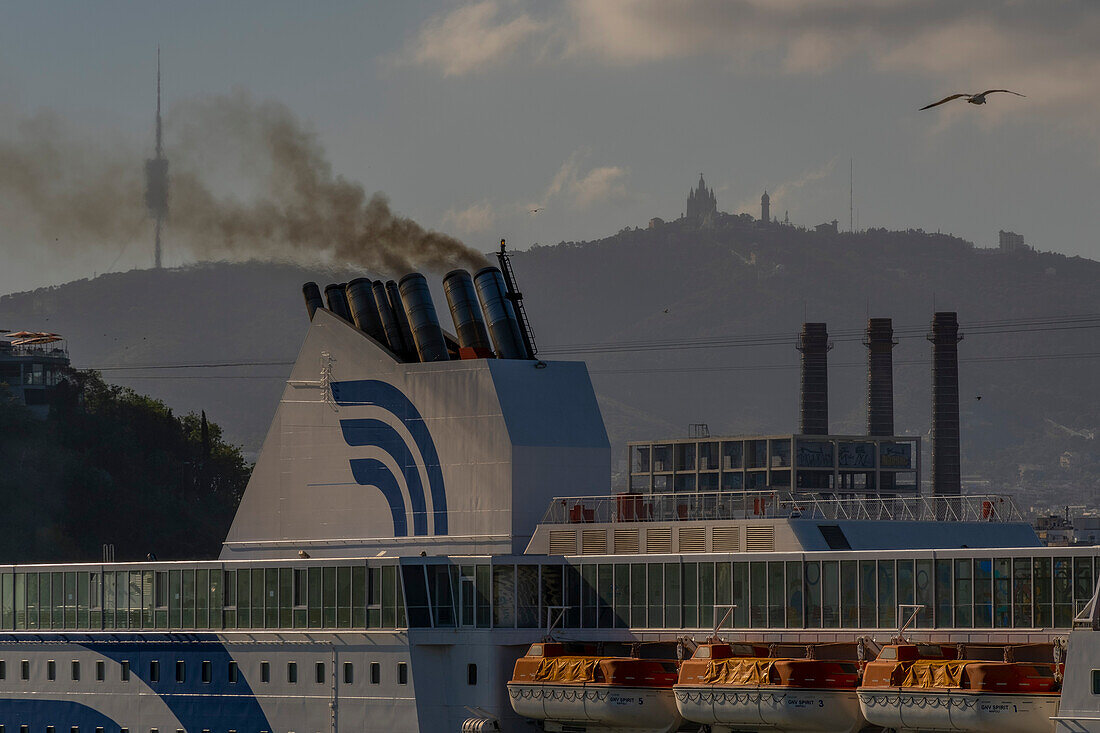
795, 596
244, 593
964, 593
638, 595
202, 598
673, 615
286, 598
20, 601
777, 596
983, 593
812, 573
439, 586
887, 603
690, 587
706, 595
639, 458
622, 595
1021, 592
58, 605
849, 594
359, 599
868, 594
708, 456
571, 587
781, 453
655, 595
944, 593
216, 586
314, 598
1043, 585
925, 593
257, 598
758, 595
343, 597
662, 458
1082, 582
756, 454
1063, 592
328, 597
1002, 593
605, 587
188, 599
590, 604
685, 456
83, 601
416, 596
732, 452
723, 594
389, 596
504, 596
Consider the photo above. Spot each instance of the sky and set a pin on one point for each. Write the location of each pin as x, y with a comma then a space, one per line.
597, 114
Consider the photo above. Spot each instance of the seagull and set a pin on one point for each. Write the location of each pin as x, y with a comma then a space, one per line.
536, 210
972, 98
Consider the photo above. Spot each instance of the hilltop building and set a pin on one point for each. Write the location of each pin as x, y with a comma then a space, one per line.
31, 365
702, 206
1012, 242
766, 208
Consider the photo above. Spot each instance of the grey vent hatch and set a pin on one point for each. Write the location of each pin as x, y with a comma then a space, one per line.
834, 536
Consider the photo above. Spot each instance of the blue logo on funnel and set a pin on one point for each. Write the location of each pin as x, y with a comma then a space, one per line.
410, 459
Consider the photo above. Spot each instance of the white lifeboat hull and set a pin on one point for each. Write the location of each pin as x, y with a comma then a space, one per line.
752, 708
956, 710
597, 707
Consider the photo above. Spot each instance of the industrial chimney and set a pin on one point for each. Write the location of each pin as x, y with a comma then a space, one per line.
946, 469
880, 342
814, 344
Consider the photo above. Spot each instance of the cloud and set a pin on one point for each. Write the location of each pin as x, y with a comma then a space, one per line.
474, 219
470, 37
1048, 50
581, 189
787, 191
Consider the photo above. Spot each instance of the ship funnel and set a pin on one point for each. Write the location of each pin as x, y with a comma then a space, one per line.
364, 311
466, 314
946, 466
389, 321
499, 314
880, 343
338, 301
427, 335
814, 344
312, 295
402, 318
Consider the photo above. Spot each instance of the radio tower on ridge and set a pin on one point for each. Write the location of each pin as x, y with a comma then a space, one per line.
156, 182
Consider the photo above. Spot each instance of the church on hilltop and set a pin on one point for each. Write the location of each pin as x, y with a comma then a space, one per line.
702, 206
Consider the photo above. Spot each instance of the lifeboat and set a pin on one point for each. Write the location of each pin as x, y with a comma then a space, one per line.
930, 687
613, 687
803, 688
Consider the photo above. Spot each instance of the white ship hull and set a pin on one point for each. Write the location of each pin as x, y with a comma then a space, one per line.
597, 707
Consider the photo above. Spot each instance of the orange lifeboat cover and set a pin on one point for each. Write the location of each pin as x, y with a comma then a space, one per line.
939, 673
738, 672
567, 669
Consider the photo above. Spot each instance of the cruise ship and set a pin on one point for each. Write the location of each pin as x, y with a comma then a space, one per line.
428, 542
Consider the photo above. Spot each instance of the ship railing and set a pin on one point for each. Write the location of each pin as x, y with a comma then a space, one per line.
720, 505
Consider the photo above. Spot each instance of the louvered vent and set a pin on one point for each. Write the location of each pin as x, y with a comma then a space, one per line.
626, 542
760, 539
563, 542
692, 539
659, 540
725, 539
594, 542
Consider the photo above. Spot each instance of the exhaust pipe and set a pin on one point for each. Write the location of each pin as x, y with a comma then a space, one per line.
399, 315
393, 340
312, 294
499, 314
880, 342
364, 311
466, 314
424, 323
814, 344
946, 464
338, 301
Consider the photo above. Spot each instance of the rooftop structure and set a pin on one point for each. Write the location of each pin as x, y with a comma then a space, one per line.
702, 206
31, 364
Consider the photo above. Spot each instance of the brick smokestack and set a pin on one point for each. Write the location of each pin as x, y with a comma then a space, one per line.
880, 344
946, 468
814, 344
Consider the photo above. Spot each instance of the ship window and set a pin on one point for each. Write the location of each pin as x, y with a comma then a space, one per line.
889, 652
49, 729
402, 673
154, 730
51, 670
319, 669
76, 671
471, 674
205, 671
74, 729
181, 671
265, 672
830, 594
24, 729
98, 729
292, 672
349, 673
154, 670
3, 672
1096, 682
231, 673
375, 673
100, 671
300, 587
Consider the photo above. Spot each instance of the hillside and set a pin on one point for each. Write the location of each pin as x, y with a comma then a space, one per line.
673, 283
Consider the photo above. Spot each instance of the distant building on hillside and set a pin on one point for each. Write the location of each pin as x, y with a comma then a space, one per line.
31, 365
827, 228
766, 208
702, 206
1012, 242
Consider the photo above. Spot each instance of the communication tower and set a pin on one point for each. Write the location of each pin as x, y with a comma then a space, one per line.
156, 182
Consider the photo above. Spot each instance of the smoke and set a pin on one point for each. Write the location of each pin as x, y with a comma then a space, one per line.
246, 179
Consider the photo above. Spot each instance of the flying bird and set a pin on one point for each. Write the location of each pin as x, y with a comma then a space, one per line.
972, 98
536, 210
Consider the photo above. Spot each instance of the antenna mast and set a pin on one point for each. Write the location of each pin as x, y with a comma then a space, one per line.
156, 182
851, 197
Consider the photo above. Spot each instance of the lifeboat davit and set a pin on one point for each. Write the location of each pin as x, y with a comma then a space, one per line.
619, 687
930, 687
803, 688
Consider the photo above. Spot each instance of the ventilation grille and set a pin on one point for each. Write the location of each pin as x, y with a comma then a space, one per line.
760, 539
692, 539
626, 542
594, 542
834, 537
563, 542
725, 539
659, 540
